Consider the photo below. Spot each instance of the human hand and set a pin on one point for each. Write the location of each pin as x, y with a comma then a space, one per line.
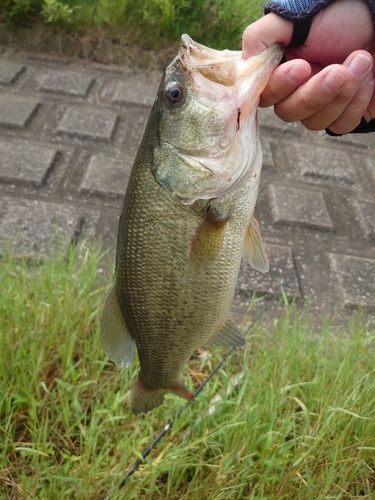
328, 82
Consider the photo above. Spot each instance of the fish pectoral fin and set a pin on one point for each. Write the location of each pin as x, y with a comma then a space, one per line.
145, 399
228, 335
115, 336
208, 237
254, 252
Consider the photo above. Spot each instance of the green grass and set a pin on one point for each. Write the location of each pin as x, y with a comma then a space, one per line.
299, 425
150, 23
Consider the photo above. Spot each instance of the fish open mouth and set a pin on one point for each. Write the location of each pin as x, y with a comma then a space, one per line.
228, 69
219, 66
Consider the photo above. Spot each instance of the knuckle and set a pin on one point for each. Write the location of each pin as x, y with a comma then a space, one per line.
248, 33
283, 114
313, 124
341, 126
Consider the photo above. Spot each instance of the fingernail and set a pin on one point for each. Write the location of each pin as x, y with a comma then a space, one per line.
298, 74
359, 65
334, 80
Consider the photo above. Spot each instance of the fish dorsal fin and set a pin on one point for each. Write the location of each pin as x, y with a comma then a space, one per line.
208, 237
115, 336
254, 252
228, 335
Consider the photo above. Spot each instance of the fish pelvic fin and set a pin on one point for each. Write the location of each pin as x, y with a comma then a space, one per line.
115, 336
208, 237
145, 399
254, 252
228, 335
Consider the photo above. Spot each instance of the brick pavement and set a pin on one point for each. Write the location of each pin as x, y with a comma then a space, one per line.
69, 133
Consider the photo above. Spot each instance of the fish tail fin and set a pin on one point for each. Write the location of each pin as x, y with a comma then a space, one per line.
115, 336
144, 399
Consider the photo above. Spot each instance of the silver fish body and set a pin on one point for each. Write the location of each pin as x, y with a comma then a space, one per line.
188, 219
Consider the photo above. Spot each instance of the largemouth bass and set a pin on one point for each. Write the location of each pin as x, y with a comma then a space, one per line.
188, 218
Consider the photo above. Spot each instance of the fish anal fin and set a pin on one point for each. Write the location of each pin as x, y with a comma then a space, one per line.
145, 399
180, 389
208, 237
228, 335
254, 252
115, 336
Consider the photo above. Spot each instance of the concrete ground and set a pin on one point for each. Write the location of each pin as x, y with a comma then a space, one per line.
69, 132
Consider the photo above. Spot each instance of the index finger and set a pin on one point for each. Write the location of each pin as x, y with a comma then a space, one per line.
265, 32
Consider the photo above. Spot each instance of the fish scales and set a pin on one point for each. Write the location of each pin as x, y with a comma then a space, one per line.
182, 232
159, 273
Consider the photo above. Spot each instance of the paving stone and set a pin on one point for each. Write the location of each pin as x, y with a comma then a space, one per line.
32, 226
47, 58
282, 273
135, 92
299, 207
3, 212
268, 120
16, 110
355, 276
68, 83
370, 164
25, 162
332, 180
10, 72
365, 215
89, 123
107, 175
320, 162
267, 154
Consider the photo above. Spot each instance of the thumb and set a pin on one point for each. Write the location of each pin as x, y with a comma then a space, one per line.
265, 32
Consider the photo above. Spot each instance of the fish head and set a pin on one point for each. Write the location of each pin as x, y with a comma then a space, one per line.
207, 126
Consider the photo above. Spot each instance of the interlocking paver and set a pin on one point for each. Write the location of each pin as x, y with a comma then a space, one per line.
89, 123
69, 83
33, 226
22, 161
282, 273
107, 175
10, 72
17, 110
135, 92
322, 163
64, 170
365, 215
356, 279
300, 207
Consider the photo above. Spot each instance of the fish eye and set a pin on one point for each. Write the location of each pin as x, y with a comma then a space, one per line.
175, 94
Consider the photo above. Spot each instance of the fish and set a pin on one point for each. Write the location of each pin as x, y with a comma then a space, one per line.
187, 219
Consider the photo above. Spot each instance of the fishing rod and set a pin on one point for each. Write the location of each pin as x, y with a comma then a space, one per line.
169, 425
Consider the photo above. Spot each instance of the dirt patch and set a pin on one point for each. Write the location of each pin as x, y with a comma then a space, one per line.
93, 45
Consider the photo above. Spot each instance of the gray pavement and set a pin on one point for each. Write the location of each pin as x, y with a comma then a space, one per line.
69, 132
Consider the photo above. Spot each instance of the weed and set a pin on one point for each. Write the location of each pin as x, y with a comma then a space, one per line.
54, 11
151, 23
299, 422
